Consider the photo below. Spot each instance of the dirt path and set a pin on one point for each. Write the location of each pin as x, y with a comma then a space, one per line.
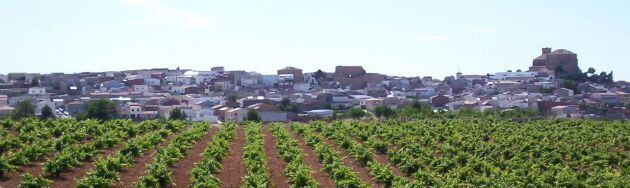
275, 164
233, 168
181, 169
313, 162
362, 172
130, 175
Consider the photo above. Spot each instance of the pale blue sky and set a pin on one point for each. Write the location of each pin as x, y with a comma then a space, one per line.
395, 37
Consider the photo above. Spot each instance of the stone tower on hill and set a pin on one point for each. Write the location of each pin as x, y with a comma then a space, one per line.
561, 63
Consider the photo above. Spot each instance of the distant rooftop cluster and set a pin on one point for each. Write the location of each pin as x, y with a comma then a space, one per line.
219, 95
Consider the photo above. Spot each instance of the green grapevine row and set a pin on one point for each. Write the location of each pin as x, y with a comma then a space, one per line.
360, 153
297, 172
159, 173
107, 170
203, 174
341, 174
254, 157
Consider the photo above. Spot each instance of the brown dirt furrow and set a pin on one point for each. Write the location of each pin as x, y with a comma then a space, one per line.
13, 179
233, 168
68, 179
362, 171
181, 169
35, 168
313, 162
130, 175
382, 158
274, 163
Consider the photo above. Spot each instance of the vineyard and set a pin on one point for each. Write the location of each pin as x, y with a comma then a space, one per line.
447, 152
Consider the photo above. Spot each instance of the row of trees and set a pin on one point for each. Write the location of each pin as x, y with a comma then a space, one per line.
417, 110
26, 109
100, 109
592, 76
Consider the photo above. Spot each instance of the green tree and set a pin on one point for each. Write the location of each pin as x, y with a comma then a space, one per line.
102, 110
384, 112
570, 84
609, 78
177, 114
416, 109
47, 112
319, 74
24, 109
232, 97
356, 113
286, 105
327, 106
232, 100
35, 81
252, 115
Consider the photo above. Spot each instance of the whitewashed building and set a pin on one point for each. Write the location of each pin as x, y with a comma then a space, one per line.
36, 90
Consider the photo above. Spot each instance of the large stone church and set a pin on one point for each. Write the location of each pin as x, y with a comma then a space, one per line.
561, 63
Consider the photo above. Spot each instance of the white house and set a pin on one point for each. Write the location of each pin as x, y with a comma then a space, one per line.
134, 110
4, 78
269, 80
564, 111
5, 110
41, 105
222, 84
359, 99
177, 90
301, 86
320, 113
546, 85
249, 80
202, 76
36, 90
236, 115
152, 81
517, 76
205, 114
426, 92
140, 88
340, 99
4, 100
269, 113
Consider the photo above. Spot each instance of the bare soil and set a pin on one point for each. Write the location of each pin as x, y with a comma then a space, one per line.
232, 168
181, 169
313, 162
275, 164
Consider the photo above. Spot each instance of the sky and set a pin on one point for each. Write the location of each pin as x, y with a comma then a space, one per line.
394, 37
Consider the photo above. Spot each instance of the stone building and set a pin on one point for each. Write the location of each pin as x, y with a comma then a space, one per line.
561, 62
356, 77
296, 72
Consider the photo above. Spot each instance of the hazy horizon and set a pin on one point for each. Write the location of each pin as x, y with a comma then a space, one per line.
398, 38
